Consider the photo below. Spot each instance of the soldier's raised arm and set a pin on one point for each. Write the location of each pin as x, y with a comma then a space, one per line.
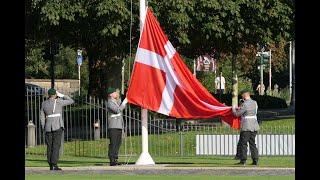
114, 108
65, 100
123, 104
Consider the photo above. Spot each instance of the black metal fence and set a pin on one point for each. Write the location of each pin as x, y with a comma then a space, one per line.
167, 137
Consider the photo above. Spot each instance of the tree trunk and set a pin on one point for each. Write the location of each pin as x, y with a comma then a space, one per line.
98, 75
92, 72
52, 64
234, 82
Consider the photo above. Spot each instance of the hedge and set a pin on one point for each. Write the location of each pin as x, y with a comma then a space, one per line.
264, 102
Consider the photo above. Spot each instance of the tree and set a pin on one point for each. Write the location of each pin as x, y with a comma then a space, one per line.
98, 26
248, 63
193, 27
228, 26
35, 65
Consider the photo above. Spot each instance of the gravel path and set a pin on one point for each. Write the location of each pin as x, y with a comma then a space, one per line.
163, 169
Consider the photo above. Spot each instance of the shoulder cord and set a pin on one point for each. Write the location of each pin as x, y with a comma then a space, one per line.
54, 106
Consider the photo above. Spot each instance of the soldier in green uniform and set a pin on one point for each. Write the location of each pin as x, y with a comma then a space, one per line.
249, 127
115, 124
53, 125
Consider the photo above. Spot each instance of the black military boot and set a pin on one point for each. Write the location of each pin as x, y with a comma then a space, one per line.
116, 161
242, 162
112, 162
55, 167
254, 162
51, 166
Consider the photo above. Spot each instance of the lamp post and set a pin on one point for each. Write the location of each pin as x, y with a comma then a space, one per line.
292, 76
265, 58
79, 62
261, 71
290, 69
270, 71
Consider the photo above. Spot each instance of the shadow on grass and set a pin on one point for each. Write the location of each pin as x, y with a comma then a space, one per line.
82, 158
177, 161
101, 164
167, 163
70, 162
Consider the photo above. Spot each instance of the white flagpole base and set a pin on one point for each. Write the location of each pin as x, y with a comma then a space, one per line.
145, 159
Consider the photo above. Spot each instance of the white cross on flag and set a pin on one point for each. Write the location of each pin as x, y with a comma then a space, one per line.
161, 81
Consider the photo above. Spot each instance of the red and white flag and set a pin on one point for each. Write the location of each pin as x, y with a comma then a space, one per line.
161, 81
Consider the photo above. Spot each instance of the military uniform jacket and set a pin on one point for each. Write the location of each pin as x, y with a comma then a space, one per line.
52, 120
115, 108
248, 113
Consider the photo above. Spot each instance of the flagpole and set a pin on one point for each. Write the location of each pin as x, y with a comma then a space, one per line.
145, 158
270, 84
194, 68
79, 78
122, 77
290, 69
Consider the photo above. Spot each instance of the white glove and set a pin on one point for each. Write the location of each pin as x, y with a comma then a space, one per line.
59, 94
96, 125
125, 101
234, 109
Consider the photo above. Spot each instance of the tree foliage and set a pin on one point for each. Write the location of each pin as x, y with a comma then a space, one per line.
102, 27
228, 25
35, 65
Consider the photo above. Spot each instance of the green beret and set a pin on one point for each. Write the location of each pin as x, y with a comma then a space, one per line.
52, 91
111, 90
244, 91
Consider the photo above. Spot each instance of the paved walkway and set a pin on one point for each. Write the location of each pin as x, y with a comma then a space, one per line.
165, 169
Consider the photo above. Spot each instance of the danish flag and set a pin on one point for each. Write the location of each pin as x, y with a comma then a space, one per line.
161, 82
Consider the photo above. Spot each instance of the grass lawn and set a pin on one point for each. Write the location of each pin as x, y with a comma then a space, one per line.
281, 122
164, 148
203, 161
156, 177
162, 144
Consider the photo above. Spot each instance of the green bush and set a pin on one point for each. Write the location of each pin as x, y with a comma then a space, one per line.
269, 102
285, 94
264, 102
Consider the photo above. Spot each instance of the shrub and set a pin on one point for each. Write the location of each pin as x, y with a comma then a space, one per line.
264, 102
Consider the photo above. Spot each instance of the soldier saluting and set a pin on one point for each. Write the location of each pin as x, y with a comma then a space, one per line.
52, 123
249, 127
115, 123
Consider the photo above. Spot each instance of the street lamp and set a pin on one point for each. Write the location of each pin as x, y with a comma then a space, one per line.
265, 57
292, 76
79, 62
261, 71
291, 70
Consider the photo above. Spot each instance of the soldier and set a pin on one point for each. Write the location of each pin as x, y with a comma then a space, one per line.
260, 89
53, 125
276, 90
220, 84
249, 127
115, 124
238, 145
